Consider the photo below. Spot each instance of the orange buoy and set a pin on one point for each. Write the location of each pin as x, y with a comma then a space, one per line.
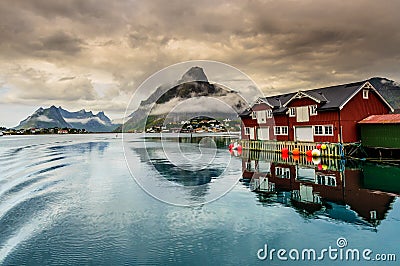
295, 151
309, 153
296, 157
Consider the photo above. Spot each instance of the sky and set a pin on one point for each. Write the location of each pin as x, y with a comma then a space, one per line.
95, 54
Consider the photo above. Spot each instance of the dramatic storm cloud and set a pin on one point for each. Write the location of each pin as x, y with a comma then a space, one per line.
93, 54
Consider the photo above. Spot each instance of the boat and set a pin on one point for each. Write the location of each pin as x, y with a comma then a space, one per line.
1, 133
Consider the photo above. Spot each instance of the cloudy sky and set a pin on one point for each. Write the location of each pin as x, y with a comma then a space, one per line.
94, 54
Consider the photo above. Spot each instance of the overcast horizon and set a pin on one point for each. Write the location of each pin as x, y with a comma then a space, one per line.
94, 54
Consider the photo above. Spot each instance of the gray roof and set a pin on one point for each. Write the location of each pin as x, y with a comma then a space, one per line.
331, 98
245, 113
280, 110
279, 100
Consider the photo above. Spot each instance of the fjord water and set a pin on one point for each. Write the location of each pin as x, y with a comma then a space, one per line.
71, 200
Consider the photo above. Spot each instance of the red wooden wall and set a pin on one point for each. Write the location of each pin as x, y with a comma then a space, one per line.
356, 110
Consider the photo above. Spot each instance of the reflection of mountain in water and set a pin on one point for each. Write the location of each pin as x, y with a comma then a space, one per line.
156, 157
196, 183
182, 176
326, 187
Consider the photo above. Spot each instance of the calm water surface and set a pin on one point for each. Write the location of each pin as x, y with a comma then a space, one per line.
71, 199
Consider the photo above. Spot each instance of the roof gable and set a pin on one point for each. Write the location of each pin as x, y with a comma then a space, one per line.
366, 85
263, 100
278, 101
309, 94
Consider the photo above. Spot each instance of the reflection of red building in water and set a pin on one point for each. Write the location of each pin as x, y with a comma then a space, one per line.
314, 188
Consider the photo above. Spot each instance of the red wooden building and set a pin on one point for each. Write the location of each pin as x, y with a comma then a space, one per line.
326, 114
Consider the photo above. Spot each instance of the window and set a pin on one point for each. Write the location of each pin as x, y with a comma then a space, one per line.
254, 115
313, 109
328, 130
282, 172
261, 117
318, 130
292, 112
280, 130
365, 94
269, 113
323, 130
325, 180
263, 133
302, 114
247, 131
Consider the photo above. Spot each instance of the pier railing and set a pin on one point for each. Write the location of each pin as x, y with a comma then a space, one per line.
334, 150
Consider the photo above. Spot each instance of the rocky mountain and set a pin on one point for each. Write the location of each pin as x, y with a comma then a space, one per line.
193, 86
44, 118
58, 117
389, 89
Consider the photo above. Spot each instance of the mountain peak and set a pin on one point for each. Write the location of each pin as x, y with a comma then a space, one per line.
59, 117
194, 74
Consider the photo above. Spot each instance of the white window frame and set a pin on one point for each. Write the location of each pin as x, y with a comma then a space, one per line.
279, 130
253, 115
324, 131
365, 93
313, 109
261, 116
327, 180
260, 135
319, 133
302, 114
292, 111
269, 113
282, 172
247, 131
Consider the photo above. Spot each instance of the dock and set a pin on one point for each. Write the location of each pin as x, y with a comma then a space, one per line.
333, 150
